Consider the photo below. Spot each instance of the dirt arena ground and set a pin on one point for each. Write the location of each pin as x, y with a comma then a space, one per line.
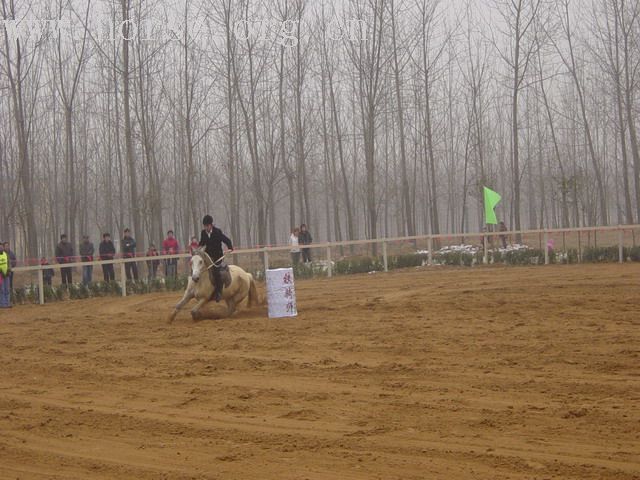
483, 373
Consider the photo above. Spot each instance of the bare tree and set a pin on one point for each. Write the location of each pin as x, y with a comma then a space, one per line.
224, 8
628, 19
329, 69
248, 107
398, 65
475, 75
368, 61
609, 36
519, 17
571, 63
134, 199
431, 55
68, 81
564, 181
301, 59
22, 67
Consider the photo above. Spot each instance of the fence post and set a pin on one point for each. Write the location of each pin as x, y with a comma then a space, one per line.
546, 248
429, 251
485, 254
329, 270
41, 285
385, 260
579, 248
621, 245
123, 279
266, 261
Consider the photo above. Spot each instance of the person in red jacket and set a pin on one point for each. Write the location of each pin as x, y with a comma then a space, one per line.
193, 245
152, 265
170, 246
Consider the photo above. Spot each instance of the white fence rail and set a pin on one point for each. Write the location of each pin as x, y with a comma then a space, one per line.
543, 234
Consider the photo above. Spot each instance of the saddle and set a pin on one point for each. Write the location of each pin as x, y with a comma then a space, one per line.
225, 274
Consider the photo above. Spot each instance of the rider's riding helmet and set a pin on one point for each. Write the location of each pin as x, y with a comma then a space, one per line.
207, 220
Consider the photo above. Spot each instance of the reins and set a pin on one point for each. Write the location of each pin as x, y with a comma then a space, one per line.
212, 262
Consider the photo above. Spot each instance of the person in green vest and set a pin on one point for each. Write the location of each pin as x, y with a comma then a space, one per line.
5, 271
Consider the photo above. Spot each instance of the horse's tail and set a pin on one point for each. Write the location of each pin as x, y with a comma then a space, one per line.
254, 299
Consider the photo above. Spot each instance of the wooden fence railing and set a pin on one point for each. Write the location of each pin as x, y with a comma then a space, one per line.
544, 234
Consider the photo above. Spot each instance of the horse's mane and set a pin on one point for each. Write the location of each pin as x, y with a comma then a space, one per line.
204, 255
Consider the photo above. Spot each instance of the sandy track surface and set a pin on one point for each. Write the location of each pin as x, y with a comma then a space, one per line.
483, 373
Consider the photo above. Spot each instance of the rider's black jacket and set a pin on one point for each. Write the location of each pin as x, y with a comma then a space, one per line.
213, 242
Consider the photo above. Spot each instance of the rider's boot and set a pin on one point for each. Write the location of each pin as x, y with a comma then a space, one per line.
217, 296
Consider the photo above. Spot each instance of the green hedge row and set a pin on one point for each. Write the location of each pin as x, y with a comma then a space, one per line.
30, 293
535, 256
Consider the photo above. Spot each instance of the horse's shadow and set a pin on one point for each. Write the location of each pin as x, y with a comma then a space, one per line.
219, 312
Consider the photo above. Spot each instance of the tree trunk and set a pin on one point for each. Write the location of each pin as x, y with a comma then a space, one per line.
406, 196
128, 128
15, 77
571, 65
633, 135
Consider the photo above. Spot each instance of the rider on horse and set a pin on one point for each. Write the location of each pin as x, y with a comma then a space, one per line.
212, 238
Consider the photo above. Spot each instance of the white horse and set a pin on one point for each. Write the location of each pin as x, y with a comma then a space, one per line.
200, 287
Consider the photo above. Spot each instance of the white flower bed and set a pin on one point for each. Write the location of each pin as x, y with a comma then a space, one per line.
474, 249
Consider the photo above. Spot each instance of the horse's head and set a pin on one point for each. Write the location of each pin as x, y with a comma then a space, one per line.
198, 265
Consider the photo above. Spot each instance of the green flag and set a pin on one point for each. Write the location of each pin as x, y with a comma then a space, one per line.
491, 199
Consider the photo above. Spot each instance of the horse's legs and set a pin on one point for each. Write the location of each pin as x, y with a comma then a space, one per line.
231, 306
240, 297
197, 307
188, 295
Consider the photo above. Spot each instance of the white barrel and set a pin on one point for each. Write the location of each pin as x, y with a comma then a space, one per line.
281, 293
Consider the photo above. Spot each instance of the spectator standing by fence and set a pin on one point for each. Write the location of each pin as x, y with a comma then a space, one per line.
5, 271
304, 238
193, 245
64, 254
295, 249
170, 246
129, 251
107, 251
503, 238
13, 262
152, 265
86, 252
47, 273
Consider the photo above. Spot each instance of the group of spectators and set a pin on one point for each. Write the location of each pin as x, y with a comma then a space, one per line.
64, 253
300, 236
170, 246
